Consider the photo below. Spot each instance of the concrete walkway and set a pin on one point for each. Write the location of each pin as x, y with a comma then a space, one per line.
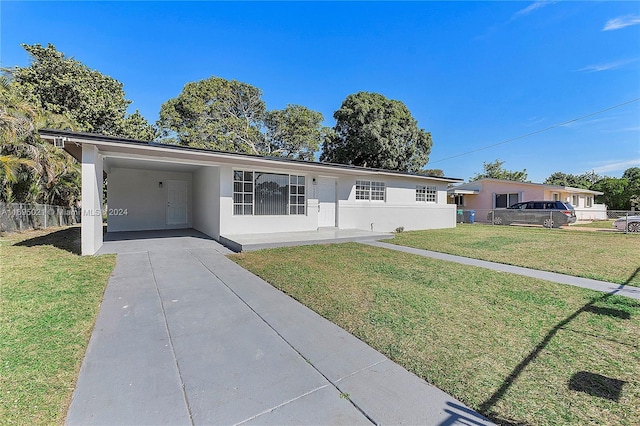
607, 287
185, 336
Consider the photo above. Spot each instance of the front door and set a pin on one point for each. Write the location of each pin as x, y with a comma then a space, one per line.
326, 202
176, 202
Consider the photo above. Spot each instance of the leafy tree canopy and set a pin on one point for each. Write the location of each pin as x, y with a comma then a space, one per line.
494, 170
64, 86
584, 181
616, 195
294, 132
432, 172
32, 170
229, 115
215, 113
135, 126
373, 131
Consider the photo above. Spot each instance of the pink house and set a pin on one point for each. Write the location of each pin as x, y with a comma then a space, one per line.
488, 194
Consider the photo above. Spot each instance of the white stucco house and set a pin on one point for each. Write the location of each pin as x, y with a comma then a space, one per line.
152, 186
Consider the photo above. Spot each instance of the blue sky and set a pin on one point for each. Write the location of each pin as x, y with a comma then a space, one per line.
474, 73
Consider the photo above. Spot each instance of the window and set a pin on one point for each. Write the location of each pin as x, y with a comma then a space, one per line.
296, 195
459, 199
426, 193
367, 190
589, 202
262, 194
575, 200
242, 193
502, 201
363, 188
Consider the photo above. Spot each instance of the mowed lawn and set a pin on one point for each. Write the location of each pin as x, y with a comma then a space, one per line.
49, 300
604, 256
519, 350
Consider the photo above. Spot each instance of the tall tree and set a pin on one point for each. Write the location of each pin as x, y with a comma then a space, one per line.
294, 132
32, 170
215, 113
616, 195
494, 170
135, 126
432, 172
63, 85
373, 131
632, 175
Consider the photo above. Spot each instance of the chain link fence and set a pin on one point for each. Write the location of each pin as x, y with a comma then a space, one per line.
546, 218
22, 216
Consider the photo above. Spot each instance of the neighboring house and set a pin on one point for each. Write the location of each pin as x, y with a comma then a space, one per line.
487, 194
153, 186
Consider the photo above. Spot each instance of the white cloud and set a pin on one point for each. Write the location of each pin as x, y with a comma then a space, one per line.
621, 22
616, 166
607, 66
533, 6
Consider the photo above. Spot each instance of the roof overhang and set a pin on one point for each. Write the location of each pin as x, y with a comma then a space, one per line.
120, 151
463, 191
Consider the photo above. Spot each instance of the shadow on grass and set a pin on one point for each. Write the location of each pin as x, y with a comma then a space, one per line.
596, 385
65, 239
590, 383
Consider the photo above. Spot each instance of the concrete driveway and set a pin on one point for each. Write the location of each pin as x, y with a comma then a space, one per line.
185, 336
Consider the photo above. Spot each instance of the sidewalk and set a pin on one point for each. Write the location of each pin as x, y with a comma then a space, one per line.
607, 287
186, 336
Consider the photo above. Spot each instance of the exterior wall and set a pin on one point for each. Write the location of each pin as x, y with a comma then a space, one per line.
400, 209
138, 192
92, 171
597, 212
206, 201
231, 224
483, 201
485, 198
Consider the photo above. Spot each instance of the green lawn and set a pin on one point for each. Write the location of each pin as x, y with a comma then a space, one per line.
50, 298
600, 224
613, 257
520, 350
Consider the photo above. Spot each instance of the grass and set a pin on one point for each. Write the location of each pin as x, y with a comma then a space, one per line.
520, 350
610, 257
600, 224
50, 298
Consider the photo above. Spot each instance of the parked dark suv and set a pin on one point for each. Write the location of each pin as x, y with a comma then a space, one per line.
550, 214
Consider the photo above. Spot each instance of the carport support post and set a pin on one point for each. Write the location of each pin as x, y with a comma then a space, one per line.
91, 199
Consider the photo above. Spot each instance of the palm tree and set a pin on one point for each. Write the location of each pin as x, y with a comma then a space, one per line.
29, 166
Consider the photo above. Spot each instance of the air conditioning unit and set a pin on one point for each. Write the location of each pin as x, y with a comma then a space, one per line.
58, 142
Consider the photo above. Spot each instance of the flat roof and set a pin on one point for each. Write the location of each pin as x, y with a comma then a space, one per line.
113, 141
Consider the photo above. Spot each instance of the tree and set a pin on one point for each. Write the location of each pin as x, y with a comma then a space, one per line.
616, 195
373, 131
31, 168
135, 126
294, 132
62, 85
495, 170
632, 175
215, 113
431, 172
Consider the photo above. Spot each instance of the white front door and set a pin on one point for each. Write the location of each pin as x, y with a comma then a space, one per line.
326, 202
176, 202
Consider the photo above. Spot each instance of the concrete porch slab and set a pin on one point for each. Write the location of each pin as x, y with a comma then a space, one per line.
166, 239
252, 242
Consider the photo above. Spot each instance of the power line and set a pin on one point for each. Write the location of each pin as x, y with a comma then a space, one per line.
538, 131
